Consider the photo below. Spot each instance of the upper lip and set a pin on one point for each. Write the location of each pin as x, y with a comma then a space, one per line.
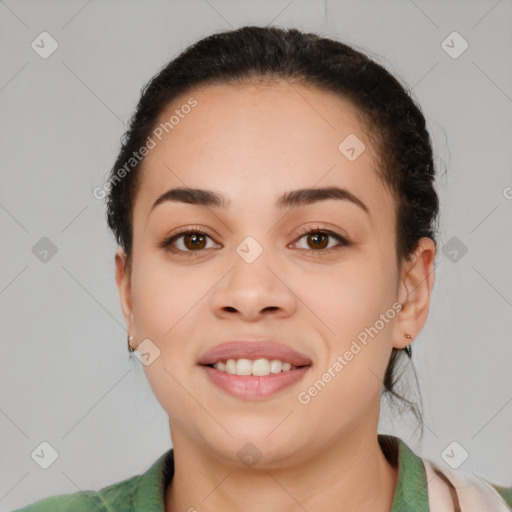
267, 349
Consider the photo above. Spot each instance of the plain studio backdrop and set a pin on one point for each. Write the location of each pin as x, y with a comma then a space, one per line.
65, 375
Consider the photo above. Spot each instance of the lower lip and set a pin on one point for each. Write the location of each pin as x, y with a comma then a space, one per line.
250, 387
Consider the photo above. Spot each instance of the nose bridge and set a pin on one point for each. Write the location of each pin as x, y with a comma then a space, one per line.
253, 283
251, 259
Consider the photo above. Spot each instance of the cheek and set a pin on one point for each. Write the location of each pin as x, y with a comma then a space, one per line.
347, 298
354, 309
165, 299
349, 383
165, 306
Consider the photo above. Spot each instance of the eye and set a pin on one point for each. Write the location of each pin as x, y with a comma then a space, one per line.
319, 239
188, 241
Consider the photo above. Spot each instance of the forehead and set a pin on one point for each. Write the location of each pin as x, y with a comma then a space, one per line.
254, 142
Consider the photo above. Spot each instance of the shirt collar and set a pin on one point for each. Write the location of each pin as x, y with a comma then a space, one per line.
150, 493
411, 486
410, 490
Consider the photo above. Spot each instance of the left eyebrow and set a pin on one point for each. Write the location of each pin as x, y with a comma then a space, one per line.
305, 196
293, 198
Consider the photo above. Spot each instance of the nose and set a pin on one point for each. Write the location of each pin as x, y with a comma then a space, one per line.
254, 290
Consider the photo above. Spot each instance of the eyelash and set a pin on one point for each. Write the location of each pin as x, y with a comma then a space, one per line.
166, 244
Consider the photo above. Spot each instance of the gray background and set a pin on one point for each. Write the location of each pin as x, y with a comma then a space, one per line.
65, 374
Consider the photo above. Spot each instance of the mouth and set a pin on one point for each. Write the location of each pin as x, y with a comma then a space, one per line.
254, 370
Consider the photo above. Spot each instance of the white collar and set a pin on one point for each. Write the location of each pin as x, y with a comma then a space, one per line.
472, 492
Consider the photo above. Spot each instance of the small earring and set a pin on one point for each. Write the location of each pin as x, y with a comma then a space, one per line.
408, 348
130, 348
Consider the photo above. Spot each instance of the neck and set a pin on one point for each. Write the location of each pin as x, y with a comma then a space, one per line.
352, 474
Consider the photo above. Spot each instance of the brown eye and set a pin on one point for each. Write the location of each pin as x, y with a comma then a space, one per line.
194, 241
319, 240
186, 242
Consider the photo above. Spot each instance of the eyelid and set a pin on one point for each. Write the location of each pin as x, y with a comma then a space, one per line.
319, 228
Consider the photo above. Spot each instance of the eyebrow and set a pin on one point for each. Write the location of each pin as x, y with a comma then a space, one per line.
294, 198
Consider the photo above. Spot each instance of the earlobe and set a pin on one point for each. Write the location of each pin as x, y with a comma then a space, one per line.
414, 293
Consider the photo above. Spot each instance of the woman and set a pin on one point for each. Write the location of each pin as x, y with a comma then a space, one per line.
275, 210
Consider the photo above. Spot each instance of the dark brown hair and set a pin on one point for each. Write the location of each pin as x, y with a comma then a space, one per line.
393, 120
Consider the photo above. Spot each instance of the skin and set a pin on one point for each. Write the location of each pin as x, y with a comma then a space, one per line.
252, 143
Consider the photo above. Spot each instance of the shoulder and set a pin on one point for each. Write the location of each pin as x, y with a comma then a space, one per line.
118, 496
447, 487
139, 492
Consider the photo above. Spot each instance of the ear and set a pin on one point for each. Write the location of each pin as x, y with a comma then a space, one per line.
123, 280
415, 288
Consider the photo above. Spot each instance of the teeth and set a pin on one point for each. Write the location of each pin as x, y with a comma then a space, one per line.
230, 366
221, 366
258, 367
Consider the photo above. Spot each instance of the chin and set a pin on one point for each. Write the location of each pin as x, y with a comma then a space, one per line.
256, 449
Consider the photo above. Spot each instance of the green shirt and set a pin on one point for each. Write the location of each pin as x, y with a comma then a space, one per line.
146, 492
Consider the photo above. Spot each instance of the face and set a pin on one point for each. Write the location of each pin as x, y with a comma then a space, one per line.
332, 295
